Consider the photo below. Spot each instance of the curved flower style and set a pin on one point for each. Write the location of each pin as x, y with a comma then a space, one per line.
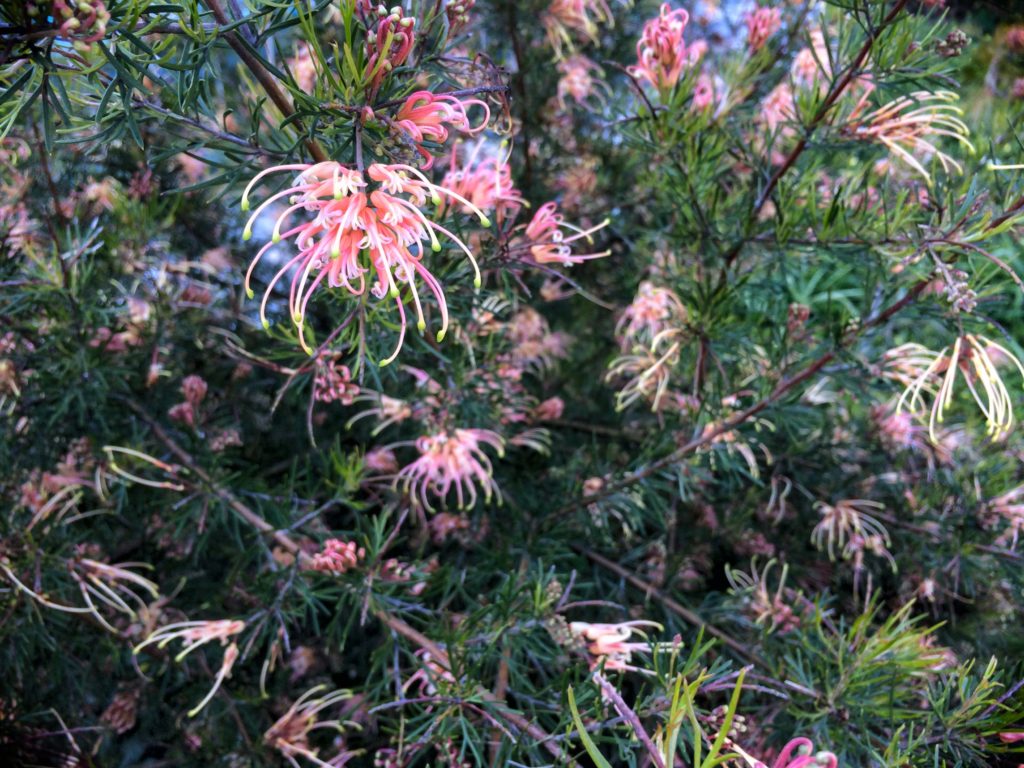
453, 460
426, 116
905, 126
354, 233
974, 356
608, 644
798, 753
848, 524
661, 51
290, 734
547, 243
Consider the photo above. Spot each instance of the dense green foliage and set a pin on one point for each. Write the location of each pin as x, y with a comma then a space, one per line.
769, 418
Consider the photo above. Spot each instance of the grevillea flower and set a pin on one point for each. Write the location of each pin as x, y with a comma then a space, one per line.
975, 357
580, 16
761, 25
579, 81
844, 522
798, 753
290, 734
609, 644
661, 51
647, 371
765, 605
453, 461
909, 126
333, 383
549, 245
337, 556
388, 46
82, 21
485, 182
196, 634
353, 233
458, 15
653, 310
427, 116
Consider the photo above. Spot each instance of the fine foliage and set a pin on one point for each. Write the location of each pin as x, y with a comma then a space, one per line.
511, 383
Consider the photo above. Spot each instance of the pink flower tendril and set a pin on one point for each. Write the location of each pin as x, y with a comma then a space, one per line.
82, 22
453, 461
353, 233
761, 25
549, 244
427, 116
798, 753
337, 556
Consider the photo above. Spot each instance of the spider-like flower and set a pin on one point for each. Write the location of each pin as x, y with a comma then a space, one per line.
910, 126
388, 46
196, 634
458, 15
333, 383
972, 355
453, 461
427, 116
661, 51
847, 524
486, 182
609, 644
647, 371
290, 734
549, 245
115, 585
798, 753
582, 16
579, 81
353, 233
1009, 508
766, 606
654, 310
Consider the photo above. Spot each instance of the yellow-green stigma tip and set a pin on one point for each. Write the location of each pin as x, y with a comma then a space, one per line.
266, 324
477, 282
440, 336
435, 198
276, 238
383, 363
247, 234
485, 222
421, 326
245, 205
250, 293
435, 247
335, 253
393, 293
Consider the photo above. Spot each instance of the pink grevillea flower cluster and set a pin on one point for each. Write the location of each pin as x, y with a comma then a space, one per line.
661, 51
453, 461
486, 182
798, 753
337, 556
761, 25
609, 645
549, 244
389, 45
353, 233
81, 21
458, 15
333, 383
579, 81
653, 311
427, 116
193, 388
